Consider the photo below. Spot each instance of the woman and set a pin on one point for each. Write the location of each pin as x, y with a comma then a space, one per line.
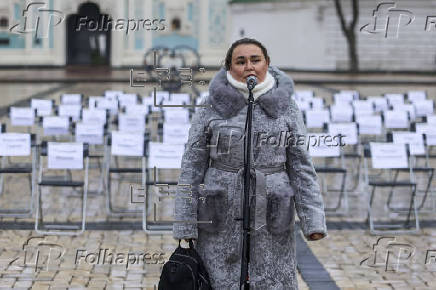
283, 176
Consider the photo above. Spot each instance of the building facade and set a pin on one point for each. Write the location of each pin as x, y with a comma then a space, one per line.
299, 34
112, 32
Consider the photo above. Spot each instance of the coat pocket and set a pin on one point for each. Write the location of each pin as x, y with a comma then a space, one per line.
280, 206
212, 206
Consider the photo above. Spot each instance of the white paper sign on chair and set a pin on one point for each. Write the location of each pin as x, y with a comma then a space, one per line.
317, 118
395, 99
431, 119
71, 99
131, 123
43, 107
138, 109
415, 141
370, 125
406, 107
396, 119
14, 144
127, 99
429, 130
174, 133
164, 155
423, 107
380, 103
363, 107
108, 104
94, 116
22, 116
65, 155
181, 98
322, 145
91, 133
72, 111
347, 130
303, 95
414, 96
92, 101
341, 113
388, 155
127, 144
55, 125
177, 116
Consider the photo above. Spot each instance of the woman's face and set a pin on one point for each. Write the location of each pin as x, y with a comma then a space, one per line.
248, 59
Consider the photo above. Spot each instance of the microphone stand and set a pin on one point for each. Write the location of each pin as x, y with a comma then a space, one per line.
245, 260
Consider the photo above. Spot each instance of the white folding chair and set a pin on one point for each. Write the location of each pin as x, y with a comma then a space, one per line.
389, 156
131, 146
17, 145
351, 150
327, 148
61, 156
94, 135
418, 148
160, 156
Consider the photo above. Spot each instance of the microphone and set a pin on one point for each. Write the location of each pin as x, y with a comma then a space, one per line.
251, 82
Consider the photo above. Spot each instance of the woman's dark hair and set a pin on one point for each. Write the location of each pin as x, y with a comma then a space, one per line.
228, 61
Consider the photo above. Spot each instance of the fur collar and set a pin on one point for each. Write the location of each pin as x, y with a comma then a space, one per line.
228, 101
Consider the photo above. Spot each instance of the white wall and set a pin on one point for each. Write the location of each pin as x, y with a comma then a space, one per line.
293, 33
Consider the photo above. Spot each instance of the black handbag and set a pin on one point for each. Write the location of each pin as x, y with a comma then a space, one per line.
184, 271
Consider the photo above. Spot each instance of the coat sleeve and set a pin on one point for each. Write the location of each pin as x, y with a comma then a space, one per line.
308, 199
194, 164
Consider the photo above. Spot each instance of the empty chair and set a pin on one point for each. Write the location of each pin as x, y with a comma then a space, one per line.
327, 148
386, 157
161, 156
418, 148
94, 135
19, 145
350, 149
131, 146
61, 156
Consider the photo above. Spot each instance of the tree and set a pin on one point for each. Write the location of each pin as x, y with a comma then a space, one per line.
349, 32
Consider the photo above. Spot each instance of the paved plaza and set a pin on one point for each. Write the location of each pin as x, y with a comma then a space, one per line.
115, 253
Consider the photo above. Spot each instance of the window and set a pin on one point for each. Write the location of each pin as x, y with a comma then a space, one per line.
4, 22
175, 24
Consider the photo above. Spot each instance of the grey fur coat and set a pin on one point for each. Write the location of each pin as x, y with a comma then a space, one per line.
209, 198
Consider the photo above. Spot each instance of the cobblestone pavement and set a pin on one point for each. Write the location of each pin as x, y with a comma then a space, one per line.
28, 260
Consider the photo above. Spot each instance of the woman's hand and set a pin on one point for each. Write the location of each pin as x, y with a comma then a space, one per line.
316, 236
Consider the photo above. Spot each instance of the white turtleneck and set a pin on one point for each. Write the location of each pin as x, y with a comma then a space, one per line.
258, 90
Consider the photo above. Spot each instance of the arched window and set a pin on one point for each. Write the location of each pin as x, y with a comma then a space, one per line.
175, 24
